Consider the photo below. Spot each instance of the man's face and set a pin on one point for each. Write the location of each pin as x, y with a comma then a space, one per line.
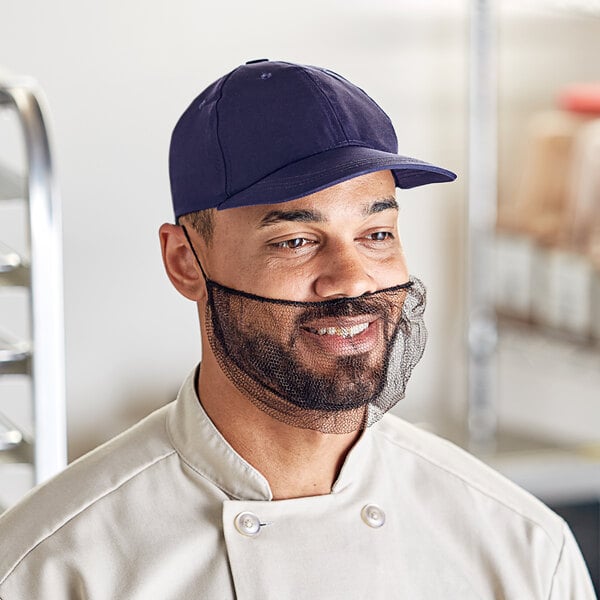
340, 242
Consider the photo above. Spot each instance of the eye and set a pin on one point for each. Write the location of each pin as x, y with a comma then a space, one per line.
293, 244
380, 236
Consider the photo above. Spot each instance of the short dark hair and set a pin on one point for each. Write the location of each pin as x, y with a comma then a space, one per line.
203, 222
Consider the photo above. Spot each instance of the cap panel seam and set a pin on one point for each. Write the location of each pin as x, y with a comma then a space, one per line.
375, 104
222, 151
327, 100
346, 82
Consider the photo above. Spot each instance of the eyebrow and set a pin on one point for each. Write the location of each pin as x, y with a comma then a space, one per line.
381, 205
298, 216
315, 216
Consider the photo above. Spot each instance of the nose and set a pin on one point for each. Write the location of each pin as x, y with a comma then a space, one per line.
343, 273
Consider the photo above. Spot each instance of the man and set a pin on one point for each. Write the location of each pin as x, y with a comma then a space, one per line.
276, 473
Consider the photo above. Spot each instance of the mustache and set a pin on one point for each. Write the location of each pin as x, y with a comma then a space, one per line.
350, 307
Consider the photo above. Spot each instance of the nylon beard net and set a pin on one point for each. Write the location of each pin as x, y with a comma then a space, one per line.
335, 366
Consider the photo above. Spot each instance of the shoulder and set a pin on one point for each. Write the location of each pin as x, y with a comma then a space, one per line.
462, 475
80, 487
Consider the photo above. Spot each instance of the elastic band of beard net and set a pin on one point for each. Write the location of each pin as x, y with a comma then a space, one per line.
272, 352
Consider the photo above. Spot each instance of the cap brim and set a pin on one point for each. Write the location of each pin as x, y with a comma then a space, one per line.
328, 168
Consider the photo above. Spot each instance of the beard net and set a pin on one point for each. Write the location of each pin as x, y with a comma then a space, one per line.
335, 366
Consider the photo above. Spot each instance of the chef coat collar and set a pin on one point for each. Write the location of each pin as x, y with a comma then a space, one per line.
202, 447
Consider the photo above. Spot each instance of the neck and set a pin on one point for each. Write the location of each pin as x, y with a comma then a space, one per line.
296, 462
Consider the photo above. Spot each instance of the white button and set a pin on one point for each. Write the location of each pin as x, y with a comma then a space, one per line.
247, 523
372, 515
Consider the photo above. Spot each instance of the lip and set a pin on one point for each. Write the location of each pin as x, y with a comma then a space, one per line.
348, 321
338, 344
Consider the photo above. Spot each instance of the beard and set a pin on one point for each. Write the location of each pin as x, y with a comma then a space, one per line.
268, 350
278, 367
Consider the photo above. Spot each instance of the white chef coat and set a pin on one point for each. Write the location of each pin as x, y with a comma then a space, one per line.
168, 510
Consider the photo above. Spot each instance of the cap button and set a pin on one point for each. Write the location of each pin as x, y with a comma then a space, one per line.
373, 516
257, 60
247, 523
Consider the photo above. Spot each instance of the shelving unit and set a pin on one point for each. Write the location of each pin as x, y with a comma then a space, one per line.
533, 392
39, 272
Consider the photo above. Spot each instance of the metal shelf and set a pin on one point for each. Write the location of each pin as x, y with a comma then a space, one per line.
15, 358
9, 259
18, 277
21, 453
15, 446
42, 357
14, 271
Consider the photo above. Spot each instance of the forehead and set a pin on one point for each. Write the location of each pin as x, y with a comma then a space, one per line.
355, 198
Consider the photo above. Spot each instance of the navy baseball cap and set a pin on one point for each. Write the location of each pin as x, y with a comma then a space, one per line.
269, 132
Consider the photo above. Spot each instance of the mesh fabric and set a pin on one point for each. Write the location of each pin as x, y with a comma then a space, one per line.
335, 366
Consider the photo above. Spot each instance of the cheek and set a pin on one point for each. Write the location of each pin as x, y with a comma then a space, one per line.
276, 281
234, 270
390, 272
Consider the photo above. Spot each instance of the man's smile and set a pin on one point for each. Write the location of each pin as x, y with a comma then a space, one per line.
343, 335
345, 332
341, 326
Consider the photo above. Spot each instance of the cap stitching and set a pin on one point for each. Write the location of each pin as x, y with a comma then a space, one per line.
314, 175
345, 81
314, 81
223, 156
392, 159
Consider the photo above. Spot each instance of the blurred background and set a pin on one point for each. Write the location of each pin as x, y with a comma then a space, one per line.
117, 75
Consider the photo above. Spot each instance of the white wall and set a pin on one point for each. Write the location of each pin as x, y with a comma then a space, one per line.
117, 74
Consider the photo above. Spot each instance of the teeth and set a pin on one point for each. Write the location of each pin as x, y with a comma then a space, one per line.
345, 332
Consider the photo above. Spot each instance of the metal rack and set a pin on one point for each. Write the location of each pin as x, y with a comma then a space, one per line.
564, 475
481, 218
39, 271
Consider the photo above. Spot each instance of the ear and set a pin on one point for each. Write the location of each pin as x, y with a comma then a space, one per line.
180, 263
